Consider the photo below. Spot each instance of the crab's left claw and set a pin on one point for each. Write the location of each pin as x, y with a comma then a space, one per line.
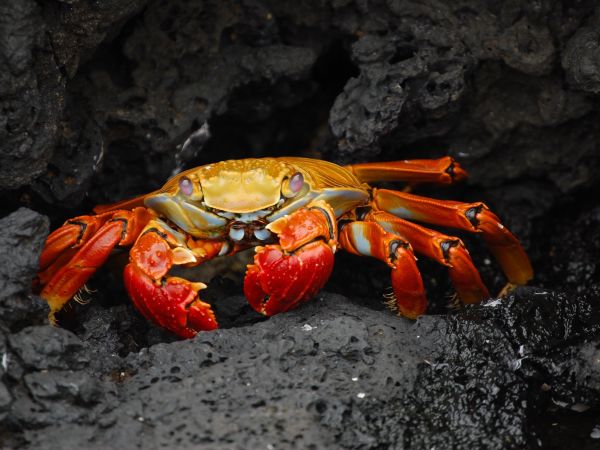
285, 275
278, 282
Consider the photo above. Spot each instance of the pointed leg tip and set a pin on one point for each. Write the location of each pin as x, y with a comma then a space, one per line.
473, 298
507, 289
52, 319
414, 310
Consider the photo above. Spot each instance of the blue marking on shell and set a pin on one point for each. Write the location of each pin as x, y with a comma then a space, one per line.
402, 212
292, 207
343, 200
190, 218
362, 245
201, 218
165, 206
387, 226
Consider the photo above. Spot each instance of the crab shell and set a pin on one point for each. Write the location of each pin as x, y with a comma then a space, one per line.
205, 201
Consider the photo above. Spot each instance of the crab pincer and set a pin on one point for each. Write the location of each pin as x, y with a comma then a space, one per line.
170, 302
293, 271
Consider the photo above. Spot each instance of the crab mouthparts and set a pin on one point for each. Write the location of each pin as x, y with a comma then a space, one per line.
250, 232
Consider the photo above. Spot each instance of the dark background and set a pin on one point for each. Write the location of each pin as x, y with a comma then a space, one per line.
96, 102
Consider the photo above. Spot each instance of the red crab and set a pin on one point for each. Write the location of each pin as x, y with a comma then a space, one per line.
296, 212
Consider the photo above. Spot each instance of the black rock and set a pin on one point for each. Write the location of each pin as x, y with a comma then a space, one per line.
330, 373
22, 235
581, 60
47, 347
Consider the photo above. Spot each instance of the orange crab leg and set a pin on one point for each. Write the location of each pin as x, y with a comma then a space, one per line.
441, 171
128, 204
371, 239
446, 250
474, 217
77, 231
285, 275
70, 258
60, 240
65, 283
170, 302
73, 234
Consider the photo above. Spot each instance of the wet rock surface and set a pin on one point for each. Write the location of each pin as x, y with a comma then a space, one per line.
97, 101
333, 373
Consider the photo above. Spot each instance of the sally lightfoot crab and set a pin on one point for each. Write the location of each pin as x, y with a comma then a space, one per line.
296, 212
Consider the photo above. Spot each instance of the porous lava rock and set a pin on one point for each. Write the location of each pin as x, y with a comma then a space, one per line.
333, 373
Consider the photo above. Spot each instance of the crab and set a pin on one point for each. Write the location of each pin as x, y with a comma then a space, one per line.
296, 213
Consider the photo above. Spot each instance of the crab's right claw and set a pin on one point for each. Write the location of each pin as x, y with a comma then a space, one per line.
173, 304
170, 302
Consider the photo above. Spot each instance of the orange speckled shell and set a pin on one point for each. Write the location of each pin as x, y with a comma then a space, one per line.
323, 174
251, 184
320, 174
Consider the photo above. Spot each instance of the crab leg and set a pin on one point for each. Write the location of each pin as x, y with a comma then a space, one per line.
371, 239
72, 235
285, 275
473, 217
75, 251
170, 302
446, 250
441, 171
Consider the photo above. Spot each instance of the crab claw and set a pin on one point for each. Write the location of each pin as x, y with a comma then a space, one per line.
173, 305
170, 302
278, 281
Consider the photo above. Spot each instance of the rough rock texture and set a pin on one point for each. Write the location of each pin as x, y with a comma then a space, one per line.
97, 101
40, 48
331, 374
22, 236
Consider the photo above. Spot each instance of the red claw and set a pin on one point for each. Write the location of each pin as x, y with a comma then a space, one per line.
170, 302
173, 305
279, 281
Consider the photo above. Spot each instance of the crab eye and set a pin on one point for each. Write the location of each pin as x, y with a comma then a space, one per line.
186, 186
296, 182
293, 185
